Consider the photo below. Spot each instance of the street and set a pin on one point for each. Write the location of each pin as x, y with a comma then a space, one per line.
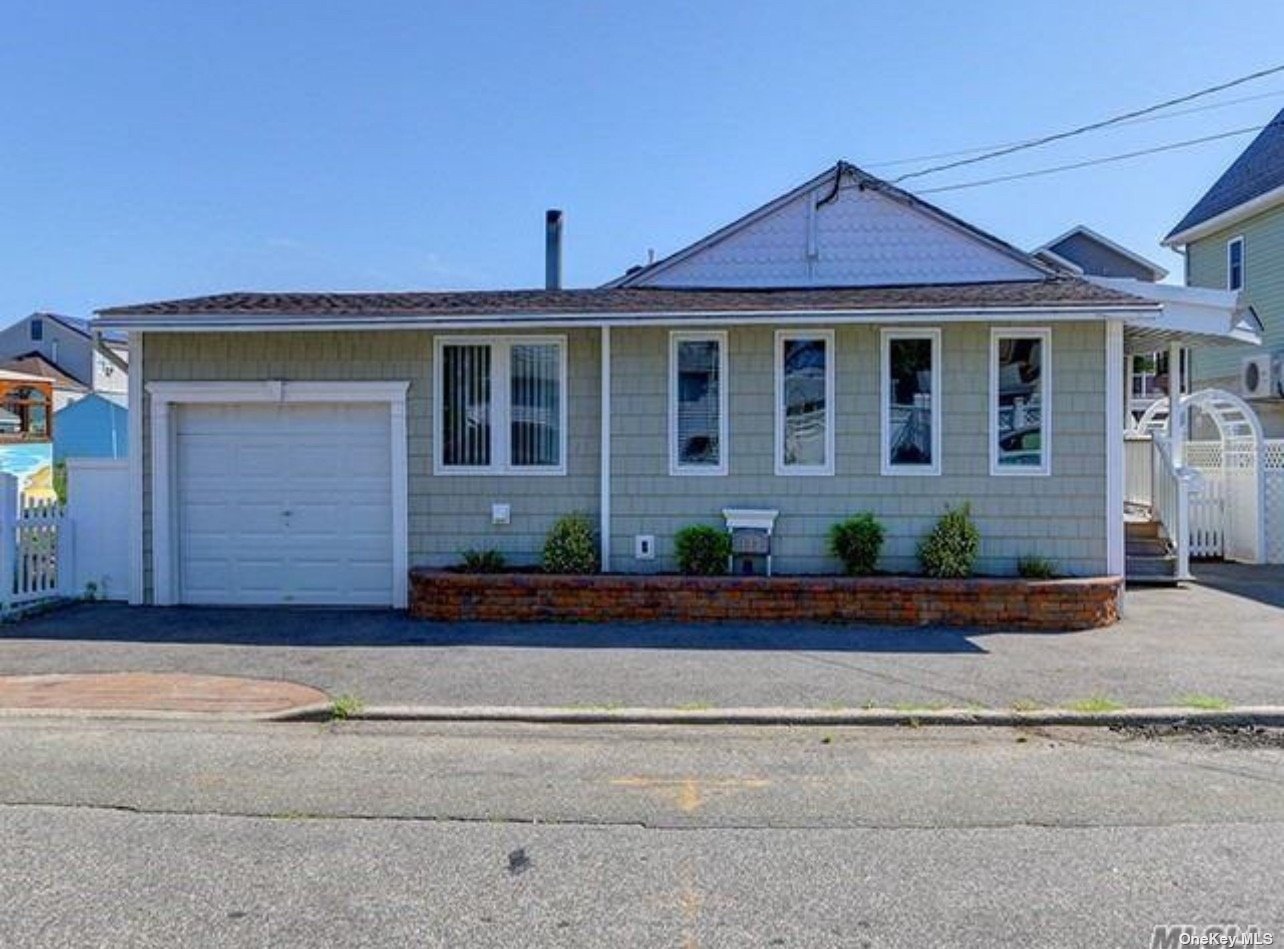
166, 834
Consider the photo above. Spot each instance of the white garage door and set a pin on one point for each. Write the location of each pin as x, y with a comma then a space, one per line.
284, 504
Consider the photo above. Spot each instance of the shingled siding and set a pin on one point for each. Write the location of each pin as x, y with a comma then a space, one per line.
447, 514
1061, 517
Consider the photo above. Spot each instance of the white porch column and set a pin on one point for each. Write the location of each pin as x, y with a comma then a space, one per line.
1115, 399
1176, 418
604, 457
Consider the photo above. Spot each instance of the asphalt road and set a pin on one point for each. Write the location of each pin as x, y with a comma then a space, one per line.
413, 835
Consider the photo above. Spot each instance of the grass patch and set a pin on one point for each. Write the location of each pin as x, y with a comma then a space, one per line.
346, 706
694, 707
1025, 705
1095, 703
1213, 703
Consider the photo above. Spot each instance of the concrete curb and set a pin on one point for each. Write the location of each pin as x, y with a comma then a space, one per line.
1266, 715
319, 711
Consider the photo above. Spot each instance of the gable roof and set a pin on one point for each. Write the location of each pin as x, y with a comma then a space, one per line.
1257, 174
75, 324
832, 181
1083, 249
36, 364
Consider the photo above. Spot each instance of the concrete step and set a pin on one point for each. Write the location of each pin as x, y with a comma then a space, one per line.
1141, 529
1151, 569
1147, 547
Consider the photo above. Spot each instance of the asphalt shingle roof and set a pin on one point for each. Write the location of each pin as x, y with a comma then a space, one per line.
1255, 172
1057, 293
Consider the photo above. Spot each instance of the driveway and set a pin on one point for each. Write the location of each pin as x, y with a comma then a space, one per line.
1222, 638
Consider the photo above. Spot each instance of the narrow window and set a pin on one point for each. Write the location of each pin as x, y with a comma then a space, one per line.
1235, 263
501, 406
911, 402
804, 403
37, 330
697, 403
1020, 402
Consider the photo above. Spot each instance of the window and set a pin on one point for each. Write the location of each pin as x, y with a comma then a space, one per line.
698, 403
37, 330
911, 416
805, 403
1235, 263
1020, 402
501, 407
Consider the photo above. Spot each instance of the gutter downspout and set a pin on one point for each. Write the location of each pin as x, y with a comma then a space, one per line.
604, 453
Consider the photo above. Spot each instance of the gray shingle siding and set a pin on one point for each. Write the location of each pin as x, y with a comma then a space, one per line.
1095, 258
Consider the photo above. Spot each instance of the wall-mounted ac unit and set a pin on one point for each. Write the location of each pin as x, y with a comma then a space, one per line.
1259, 377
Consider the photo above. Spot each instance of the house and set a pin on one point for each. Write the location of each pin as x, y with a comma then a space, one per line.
26, 432
67, 345
1233, 238
66, 389
845, 347
96, 426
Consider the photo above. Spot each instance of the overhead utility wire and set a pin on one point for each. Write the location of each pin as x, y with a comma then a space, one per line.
1091, 127
1108, 159
976, 149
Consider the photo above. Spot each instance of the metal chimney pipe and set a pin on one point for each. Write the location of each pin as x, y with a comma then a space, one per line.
553, 249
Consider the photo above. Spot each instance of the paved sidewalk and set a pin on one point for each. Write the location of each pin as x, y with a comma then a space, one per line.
1222, 641
156, 692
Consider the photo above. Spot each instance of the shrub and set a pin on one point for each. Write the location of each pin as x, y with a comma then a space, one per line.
857, 542
1036, 568
570, 546
950, 548
702, 550
483, 561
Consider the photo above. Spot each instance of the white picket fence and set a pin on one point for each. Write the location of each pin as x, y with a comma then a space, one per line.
35, 548
1206, 458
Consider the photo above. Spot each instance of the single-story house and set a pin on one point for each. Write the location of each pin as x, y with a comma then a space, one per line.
845, 347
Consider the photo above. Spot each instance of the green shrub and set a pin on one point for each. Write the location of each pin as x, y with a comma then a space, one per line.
950, 548
702, 550
1036, 568
482, 561
571, 546
857, 542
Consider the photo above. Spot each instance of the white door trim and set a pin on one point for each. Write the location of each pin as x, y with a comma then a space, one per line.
165, 395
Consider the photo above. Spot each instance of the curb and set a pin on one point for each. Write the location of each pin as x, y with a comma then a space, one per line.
1264, 715
316, 712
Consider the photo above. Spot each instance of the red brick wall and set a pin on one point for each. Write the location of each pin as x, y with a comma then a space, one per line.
1052, 605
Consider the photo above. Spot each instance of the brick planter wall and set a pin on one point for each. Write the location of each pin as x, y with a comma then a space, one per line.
1012, 604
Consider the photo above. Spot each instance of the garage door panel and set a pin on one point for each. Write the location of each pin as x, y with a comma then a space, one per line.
283, 504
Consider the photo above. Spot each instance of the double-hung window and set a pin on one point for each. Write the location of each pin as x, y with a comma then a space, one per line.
805, 402
1235, 263
501, 405
698, 403
1020, 402
911, 394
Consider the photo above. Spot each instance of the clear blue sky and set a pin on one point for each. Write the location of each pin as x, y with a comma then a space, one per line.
157, 149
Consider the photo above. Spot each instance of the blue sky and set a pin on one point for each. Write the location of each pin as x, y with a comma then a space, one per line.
158, 149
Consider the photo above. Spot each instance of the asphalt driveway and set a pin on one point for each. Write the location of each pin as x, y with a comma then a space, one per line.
1222, 638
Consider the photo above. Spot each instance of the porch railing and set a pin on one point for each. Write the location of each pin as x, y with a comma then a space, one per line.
1170, 500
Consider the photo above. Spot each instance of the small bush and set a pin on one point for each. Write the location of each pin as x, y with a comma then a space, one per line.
571, 546
483, 561
857, 542
1036, 568
702, 550
949, 550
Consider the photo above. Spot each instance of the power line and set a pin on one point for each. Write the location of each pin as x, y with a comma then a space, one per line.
976, 149
1108, 159
1091, 127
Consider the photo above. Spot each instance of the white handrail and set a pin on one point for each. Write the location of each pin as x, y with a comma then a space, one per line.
1170, 494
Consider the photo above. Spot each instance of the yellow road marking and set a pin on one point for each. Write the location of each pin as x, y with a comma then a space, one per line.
689, 794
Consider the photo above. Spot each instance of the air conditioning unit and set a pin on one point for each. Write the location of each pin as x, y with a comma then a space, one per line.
1259, 377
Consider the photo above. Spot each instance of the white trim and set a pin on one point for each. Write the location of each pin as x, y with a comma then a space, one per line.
134, 383
501, 405
1043, 333
1217, 222
239, 322
831, 357
676, 338
165, 395
885, 388
1243, 262
1115, 412
604, 454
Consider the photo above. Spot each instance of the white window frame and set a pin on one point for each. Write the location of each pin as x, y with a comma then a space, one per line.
1043, 333
1238, 240
676, 338
501, 396
831, 357
885, 392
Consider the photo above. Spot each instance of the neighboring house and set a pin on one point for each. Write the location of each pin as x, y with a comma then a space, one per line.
1233, 238
26, 431
66, 388
1088, 252
845, 347
67, 343
96, 426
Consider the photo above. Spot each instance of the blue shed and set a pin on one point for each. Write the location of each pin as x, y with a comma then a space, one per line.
96, 426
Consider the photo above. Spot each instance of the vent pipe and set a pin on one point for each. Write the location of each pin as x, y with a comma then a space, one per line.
553, 249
